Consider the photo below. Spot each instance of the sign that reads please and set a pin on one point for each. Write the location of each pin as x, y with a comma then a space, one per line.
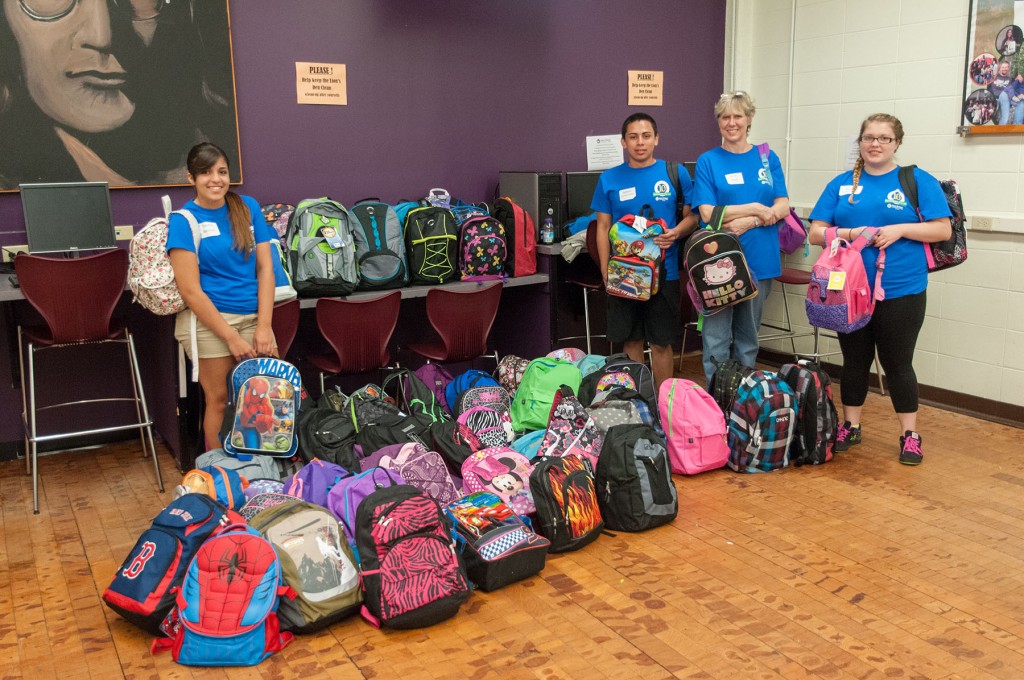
645, 88
320, 83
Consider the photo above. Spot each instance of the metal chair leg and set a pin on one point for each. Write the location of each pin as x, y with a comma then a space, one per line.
24, 403
33, 445
140, 395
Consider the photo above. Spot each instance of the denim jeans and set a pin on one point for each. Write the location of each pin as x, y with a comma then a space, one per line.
732, 332
1004, 110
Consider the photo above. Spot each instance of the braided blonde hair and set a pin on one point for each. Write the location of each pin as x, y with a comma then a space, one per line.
897, 131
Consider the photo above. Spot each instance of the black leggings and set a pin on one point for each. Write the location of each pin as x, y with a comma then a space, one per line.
893, 330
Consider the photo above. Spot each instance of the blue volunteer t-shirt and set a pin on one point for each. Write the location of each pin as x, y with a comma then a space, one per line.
880, 202
727, 178
226, 276
623, 190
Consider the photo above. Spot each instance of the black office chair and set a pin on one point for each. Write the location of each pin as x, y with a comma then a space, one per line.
76, 297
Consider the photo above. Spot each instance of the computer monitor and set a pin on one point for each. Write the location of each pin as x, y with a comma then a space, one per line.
579, 192
67, 217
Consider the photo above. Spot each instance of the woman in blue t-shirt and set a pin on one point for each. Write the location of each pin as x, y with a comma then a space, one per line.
871, 196
228, 285
734, 175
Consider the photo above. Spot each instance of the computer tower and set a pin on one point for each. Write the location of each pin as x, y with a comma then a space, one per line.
579, 193
538, 193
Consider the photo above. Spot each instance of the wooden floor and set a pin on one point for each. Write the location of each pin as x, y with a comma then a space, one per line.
862, 568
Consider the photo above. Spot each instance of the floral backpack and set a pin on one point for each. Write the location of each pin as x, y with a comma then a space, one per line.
150, 276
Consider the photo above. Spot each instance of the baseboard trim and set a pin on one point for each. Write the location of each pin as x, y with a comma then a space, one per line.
977, 407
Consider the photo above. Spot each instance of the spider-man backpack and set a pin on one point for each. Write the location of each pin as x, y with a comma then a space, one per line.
261, 418
226, 610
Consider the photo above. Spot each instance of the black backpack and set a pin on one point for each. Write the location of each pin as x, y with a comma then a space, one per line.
432, 245
413, 396
725, 381
603, 379
634, 480
716, 268
328, 435
952, 251
380, 245
402, 431
817, 422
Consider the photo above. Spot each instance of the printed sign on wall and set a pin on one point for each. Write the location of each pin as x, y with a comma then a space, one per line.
321, 83
645, 88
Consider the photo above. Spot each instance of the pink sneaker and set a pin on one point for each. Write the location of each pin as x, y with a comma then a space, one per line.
910, 448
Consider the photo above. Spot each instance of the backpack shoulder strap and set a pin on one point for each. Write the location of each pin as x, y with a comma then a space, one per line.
672, 168
716, 217
762, 152
192, 223
909, 184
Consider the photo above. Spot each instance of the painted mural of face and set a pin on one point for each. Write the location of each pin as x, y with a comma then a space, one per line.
69, 66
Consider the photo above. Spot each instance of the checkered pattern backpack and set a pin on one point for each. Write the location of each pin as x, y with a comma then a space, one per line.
762, 423
817, 422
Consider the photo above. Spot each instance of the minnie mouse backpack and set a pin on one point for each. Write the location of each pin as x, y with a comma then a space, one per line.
503, 472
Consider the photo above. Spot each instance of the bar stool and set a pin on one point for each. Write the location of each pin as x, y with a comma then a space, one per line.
589, 279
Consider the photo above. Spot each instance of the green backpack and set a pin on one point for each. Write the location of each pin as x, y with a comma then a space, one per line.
316, 561
542, 378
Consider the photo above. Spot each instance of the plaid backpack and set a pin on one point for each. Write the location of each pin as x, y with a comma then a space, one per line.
817, 421
482, 249
725, 381
226, 610
761, 424
565, 493
144, 586
411, 573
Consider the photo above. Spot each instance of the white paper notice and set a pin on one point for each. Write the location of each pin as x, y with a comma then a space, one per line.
603, 152
852, 150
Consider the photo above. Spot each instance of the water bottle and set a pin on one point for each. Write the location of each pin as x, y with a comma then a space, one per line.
547, 231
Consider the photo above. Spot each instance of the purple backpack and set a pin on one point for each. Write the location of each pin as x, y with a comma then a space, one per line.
313, 482
436, 378
419, 467
345, 496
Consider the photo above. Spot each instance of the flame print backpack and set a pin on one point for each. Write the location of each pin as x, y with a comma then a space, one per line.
482, 249
565, 494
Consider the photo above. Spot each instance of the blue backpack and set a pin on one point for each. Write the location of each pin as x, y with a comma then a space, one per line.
226, 610
145, 584
464, 381
261, 418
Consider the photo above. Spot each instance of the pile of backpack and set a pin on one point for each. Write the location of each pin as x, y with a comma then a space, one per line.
330, 250
396, 500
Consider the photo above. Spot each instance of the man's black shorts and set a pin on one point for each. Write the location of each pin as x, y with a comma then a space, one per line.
655, 320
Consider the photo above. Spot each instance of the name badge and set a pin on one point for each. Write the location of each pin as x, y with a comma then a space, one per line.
208, 229
734, 178
836, 280
847, 189
627, 194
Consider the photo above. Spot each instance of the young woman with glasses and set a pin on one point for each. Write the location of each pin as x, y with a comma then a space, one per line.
871, 196
734, 175
105, 90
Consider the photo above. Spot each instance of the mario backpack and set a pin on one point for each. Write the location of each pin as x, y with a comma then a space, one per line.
634, 268
261, 418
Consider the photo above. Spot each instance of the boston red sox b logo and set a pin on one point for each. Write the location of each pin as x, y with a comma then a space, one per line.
139, 563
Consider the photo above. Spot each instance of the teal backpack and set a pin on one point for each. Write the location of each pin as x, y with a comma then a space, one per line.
542, 378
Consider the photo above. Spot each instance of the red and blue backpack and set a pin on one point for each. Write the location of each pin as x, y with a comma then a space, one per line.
226, 609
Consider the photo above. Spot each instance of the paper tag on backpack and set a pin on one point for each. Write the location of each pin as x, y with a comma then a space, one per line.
330, 235
836, 280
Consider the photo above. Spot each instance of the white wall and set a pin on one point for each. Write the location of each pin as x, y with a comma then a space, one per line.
852, 58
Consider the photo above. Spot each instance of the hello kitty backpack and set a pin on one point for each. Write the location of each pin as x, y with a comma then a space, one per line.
716, 269
503, 472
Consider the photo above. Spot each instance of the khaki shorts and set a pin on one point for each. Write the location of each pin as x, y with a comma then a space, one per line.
210, 344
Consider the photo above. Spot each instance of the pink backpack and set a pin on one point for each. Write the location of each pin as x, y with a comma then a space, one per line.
838, 297
695, 432
503, 472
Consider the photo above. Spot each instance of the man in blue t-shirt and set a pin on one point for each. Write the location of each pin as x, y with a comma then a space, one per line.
625, 190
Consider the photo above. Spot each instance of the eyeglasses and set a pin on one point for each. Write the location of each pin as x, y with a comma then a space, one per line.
869, 139
53, 10
733, 95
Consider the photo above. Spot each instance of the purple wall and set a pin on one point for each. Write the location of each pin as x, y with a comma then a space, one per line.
447, 93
